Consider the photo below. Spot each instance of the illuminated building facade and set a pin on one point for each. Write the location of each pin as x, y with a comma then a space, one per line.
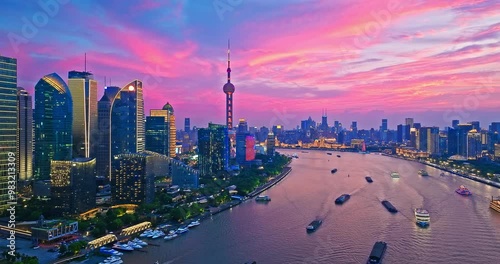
24, 135
73, 185
127, 120
474, 146
83, 89
53, 116
104, 127
428, 140
168, 135
213, 149
8, 124
132, 179
271, 142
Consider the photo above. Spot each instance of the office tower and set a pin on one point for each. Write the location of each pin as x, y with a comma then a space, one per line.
104, 128
383, 130
53, 116
457, 139
262, 135
73, 185
443, 142
229, 91
413, 136
428, 140
277, 130
157, 134
24, 135
454, 123
495, 127
409, 121
417, 125
337, 126
127, 120
167, 112
403, 133
132, 179
474, 147
475, 125
354, 129
384, 125
183, 175
496, 154
271, 142
324, 121
213, 149
83, 90
187, 125
8, 121
242, 126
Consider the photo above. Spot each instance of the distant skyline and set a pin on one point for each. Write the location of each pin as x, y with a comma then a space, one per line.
363, 61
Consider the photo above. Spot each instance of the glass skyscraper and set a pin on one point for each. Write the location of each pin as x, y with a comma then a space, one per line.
127, 120
157, 134
24, 135
213, 148
104, 128
83, 89
168, 113
53, 124
8, 124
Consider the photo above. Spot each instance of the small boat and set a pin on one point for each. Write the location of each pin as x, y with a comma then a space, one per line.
422, 217
389, 206
139, 242
182, 230
314, 225
463, 191
263, 198
377, 253
442, 174
342, 199
495, 204
134, 245
304, 151
338, 156
170, 236
113, 260
395, 175
423, 173
368, 179
194, 224
122, 247
109, 251
328, 153
333, 171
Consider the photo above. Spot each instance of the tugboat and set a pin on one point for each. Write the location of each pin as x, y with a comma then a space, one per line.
495, 204
263, 198
369, 179
463, 191
314, 225
389, 206
342, 199
334, 170
377, 253
422, 217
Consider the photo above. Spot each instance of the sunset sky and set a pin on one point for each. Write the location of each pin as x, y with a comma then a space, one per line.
361, 60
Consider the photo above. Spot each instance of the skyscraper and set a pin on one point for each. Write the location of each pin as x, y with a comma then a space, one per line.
73, 185
454, 123
127, 120
83, 90
229, 90
428, 140
187, 124
409, 121
24, 135
167, 112
324, 121
53, 124
157, 134
104, 128
271, 141
8, 121
473, 144
213, 149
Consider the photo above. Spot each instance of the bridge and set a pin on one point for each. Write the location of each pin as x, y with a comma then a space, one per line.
96, 243
135, 228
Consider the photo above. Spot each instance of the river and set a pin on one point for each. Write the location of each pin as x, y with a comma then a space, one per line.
463, 229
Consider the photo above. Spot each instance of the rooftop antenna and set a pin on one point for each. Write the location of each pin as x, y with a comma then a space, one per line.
85, 62
104, 81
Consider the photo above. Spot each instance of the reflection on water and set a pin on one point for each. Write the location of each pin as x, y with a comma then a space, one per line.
461, 229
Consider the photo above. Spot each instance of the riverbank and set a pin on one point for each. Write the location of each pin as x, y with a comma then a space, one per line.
474, 178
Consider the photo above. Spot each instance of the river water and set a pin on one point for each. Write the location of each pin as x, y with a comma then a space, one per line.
463, 229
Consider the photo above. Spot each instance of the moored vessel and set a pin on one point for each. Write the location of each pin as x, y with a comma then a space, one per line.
463, 191
423, 173
422, 217
338, 156
377, 252
368, 179
389, 206
314, 225
495, 204
263, 198
394, 175
342, 199
333, 171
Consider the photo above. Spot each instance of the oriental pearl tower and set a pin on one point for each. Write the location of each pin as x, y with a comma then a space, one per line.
229, 90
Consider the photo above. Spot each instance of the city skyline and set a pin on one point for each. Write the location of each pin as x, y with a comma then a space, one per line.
380, 65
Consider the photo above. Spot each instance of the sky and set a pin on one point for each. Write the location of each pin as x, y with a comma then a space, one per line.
357, 60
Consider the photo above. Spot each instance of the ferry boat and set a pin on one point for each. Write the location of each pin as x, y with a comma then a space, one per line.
194, 224
334, 170
422, 217
263, 198
495, 204
463, 191
368, 179
314, 225
377, 253
338, 156
423, 173
389, 206
395, 175
342, 199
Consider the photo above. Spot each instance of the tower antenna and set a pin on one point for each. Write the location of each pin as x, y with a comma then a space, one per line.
228, 60
85, 68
